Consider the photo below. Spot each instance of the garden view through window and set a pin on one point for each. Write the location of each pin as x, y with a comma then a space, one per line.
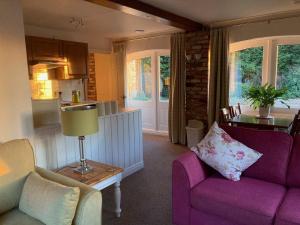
139, 79
288, 73
164, 70
246, 71
252, 63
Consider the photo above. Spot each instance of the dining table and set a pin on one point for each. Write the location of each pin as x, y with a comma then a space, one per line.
273, 122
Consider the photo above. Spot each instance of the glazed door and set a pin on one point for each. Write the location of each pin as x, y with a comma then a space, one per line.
147, 87
140, 87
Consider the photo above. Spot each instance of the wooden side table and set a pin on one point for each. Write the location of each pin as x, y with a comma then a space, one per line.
101, 177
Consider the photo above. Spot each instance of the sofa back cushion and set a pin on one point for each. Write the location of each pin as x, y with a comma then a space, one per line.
293, 177
275, 146
16, 162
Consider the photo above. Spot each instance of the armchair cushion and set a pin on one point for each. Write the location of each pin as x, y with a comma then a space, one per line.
16, 162
89, 207
249, 201
47, 201
16, 217
288, 213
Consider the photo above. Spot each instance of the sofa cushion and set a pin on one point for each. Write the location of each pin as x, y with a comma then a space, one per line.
226, 155
293, 177
249, 201
276, 147
50, 202
16, 162
16, 217
288, 213
199, 217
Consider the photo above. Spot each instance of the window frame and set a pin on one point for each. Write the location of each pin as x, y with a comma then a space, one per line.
159, 53
140, 55
270, 60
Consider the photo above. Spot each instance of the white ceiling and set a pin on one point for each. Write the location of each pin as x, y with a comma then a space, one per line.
56, 14
210, 11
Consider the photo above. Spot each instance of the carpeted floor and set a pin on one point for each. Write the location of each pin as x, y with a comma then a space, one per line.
146, 195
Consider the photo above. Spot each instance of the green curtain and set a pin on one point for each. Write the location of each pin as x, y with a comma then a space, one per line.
219, 73
177, 90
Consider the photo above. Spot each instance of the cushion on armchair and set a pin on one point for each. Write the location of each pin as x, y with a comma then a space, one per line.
16, 162
47, 201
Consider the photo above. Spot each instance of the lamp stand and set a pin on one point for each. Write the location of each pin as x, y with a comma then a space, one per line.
84, 168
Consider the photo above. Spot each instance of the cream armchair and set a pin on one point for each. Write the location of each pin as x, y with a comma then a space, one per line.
16, 162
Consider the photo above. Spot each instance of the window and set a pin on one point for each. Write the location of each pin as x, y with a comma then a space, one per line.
246, 70
139, 80
256, 62
164, 75
288, 73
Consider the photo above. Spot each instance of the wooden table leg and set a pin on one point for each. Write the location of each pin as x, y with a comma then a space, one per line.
118, 199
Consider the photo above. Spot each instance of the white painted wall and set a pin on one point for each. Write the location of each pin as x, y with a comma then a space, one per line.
96, 42
151, 43
283, 27
15, 109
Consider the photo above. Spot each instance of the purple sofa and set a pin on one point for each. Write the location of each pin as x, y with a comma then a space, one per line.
268, 192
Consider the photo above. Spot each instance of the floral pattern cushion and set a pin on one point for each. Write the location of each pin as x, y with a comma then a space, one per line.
225, 154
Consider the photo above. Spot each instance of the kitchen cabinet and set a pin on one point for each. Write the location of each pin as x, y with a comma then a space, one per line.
43, 47
76, 54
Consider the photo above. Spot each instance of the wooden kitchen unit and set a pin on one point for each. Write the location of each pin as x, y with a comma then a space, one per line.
75, 54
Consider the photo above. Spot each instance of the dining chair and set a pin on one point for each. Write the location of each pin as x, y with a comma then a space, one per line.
295, 128
225, 115
235, 110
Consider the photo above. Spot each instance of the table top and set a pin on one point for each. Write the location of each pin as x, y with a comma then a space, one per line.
274, 121
100, 173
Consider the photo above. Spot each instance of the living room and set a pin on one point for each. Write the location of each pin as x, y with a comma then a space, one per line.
149, 112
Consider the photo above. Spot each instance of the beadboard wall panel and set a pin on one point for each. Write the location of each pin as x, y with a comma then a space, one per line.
118, 142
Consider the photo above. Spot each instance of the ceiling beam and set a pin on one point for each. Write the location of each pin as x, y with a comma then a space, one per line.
146, 11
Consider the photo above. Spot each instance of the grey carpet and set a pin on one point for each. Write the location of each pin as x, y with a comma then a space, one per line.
146, 195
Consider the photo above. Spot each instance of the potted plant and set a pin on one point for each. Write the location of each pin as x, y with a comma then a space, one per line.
264, 97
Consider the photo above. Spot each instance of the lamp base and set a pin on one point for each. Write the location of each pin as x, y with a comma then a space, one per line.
83, 169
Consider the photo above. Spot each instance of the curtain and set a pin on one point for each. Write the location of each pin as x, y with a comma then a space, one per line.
219, 73
119, 65
177, 90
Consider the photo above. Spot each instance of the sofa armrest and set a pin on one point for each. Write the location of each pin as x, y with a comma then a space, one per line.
187, 172
89, 208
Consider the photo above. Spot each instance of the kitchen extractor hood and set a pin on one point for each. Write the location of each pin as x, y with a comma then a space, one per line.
47, 63
55, 68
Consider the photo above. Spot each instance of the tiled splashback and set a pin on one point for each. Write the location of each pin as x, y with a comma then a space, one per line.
66, 87
48, 89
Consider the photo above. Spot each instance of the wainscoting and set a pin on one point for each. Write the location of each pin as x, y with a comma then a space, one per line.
118, 142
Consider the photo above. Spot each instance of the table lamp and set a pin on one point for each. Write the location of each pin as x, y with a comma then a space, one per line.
80, 121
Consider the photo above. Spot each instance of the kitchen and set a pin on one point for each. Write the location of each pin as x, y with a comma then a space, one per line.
58, 72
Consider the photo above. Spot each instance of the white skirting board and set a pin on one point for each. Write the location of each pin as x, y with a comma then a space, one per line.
119, 142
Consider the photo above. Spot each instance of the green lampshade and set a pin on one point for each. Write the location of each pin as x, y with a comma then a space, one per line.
80, 120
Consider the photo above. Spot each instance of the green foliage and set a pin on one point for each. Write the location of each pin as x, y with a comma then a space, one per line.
251, 65
288, 74
164, 66
264, 96
164, 74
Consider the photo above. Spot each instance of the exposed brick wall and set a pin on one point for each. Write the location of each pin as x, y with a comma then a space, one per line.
197, 48
91, 84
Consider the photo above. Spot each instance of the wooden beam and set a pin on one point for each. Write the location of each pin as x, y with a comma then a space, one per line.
144, 10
